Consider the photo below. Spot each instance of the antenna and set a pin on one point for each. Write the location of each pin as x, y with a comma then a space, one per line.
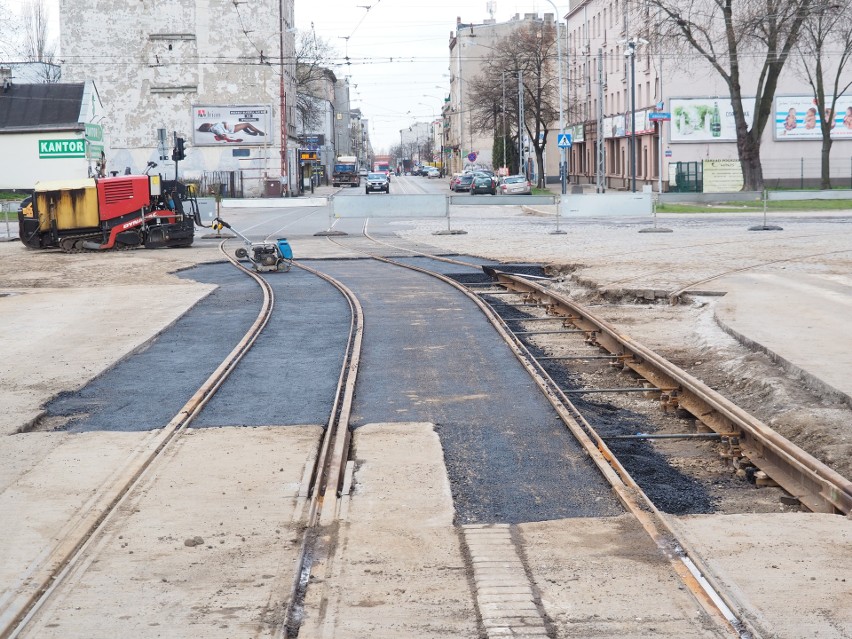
491, 8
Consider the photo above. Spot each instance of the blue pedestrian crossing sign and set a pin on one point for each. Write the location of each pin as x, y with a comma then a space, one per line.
564, 140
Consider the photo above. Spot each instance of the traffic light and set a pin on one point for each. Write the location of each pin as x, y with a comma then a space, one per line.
179, 153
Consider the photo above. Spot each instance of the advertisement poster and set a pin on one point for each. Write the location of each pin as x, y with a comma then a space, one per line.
619, 126
614, 127
722, 176
706, 119
248, 125
644, 124
797, 118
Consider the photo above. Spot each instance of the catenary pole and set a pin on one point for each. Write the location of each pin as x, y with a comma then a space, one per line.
563, 172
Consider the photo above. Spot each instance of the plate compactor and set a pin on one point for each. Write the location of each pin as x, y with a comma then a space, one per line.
264, 256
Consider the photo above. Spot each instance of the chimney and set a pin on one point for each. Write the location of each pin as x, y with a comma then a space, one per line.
6, 78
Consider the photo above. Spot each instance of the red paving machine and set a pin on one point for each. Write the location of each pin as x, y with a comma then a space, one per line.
99, 214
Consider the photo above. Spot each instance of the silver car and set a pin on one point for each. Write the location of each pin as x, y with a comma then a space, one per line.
377, 182
515, 185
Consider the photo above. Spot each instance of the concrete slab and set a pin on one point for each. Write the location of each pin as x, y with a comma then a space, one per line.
800, 319
606, 578
398, 570
791, 573
206, 547
52, 485
84, 330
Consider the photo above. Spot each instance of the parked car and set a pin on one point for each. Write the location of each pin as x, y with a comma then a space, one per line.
363, 172
490, 174
432, 172
454, 180
377, 182
463, 182
482, 184
515, 185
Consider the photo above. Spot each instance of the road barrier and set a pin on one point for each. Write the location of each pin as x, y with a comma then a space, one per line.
389, 205
502, 200
606, 204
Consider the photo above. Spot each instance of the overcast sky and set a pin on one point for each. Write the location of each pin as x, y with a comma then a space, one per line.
415, 34
398, 51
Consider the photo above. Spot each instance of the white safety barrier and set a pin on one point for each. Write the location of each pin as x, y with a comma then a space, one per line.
274, 203
389, 205
502, 200
606, 204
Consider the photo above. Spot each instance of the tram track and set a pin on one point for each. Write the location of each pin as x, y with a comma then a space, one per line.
817, 487
711, 598
56, 563
332, 472
49, 572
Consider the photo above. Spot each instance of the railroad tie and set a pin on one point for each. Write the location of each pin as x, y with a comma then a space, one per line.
503, 593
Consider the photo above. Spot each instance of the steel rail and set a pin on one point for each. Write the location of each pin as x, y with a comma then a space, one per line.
65, 555
330, 465
717, 604
814, 484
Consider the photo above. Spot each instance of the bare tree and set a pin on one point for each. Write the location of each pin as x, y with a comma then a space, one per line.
824, 51
8, 32
38, 45
313, 55
735, 35
531, 51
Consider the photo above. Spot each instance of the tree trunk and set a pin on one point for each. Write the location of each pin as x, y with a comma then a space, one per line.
539, 161
749, 151
825, 168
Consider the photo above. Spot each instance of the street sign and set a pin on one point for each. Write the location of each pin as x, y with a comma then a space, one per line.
94, 132
94, 151
50, 149
471, 157
564, 140
668, 153
659, 115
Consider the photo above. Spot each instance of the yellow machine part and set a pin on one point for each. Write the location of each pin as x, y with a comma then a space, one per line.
71, 204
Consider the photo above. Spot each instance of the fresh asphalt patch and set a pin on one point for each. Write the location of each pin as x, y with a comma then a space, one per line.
430, 355
288, 378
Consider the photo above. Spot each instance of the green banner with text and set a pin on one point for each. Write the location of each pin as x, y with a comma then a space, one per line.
54, 149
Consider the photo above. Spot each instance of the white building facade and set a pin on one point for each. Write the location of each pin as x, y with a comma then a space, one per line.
196, 71
676, 82
469, 45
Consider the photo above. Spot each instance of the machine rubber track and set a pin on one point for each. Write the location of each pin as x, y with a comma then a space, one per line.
74, 244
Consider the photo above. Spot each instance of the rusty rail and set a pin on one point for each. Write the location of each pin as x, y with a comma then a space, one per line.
815, 485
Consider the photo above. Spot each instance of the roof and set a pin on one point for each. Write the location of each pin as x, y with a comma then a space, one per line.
37, 106
65, 185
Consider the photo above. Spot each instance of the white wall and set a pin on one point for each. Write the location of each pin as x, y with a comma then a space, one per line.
153, 62
22, 167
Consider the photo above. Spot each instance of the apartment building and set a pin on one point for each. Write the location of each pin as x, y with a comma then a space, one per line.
185, 68
676, 81
469, 45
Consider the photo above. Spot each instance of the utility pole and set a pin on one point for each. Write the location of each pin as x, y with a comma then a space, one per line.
600, 173
461, 107
631, 51
283, 99
521, 167
504, 119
